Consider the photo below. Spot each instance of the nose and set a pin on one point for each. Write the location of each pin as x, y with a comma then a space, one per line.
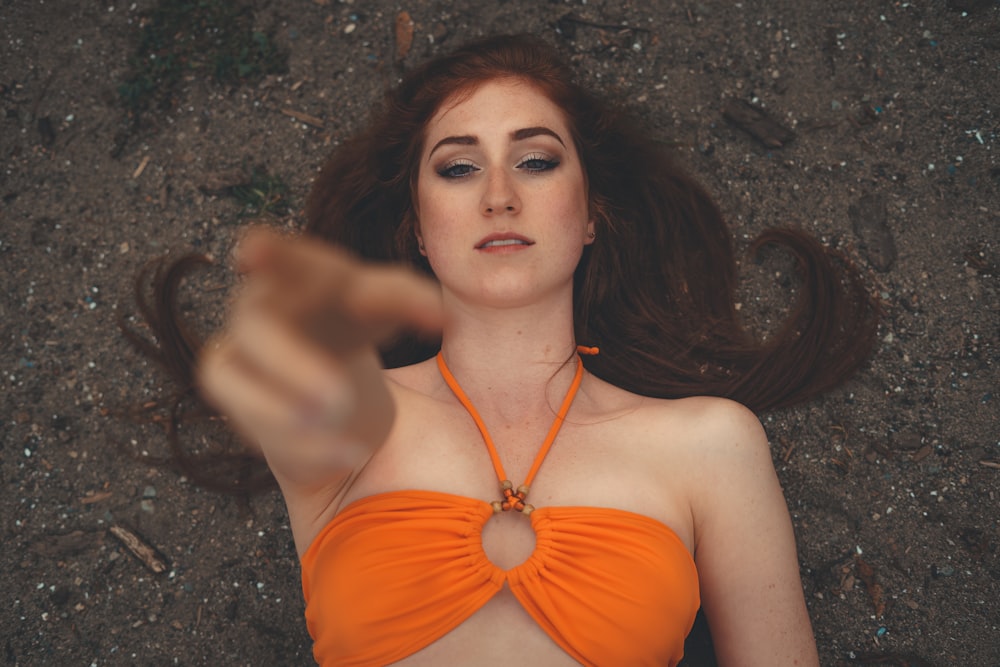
500, 195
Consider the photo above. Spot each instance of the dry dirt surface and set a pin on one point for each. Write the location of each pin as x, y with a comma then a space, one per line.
122, 138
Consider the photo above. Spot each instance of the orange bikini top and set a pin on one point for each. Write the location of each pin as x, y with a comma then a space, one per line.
393, 572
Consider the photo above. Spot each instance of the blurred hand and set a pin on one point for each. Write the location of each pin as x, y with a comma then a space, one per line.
295, 368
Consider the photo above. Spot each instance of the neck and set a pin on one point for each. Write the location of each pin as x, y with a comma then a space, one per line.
501, 353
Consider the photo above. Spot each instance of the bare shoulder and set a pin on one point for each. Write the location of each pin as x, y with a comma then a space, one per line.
688, 443
713, 440
743, 542
718, 427
699, 427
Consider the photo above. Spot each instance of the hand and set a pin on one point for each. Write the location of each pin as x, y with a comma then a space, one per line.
296, 367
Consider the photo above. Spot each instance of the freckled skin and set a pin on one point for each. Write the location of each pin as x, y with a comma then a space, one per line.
494, 189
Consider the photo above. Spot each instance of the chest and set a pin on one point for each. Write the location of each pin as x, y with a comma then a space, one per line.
611, 461
415, 538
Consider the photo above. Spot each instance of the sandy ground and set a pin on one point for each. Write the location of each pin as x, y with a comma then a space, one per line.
892, 480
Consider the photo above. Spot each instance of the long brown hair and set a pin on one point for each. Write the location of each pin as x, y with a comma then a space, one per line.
656, 291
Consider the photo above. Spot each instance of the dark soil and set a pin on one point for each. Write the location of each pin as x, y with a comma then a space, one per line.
893, 156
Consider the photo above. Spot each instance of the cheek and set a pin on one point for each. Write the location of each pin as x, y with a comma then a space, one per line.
570, 205
438, 225
434, 213
432, 200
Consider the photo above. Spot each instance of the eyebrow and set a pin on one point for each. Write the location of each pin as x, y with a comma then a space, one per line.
516, 135
528, 132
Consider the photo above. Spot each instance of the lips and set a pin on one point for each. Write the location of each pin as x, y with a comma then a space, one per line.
503, 241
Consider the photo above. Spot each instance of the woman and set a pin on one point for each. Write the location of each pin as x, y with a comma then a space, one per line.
501, 498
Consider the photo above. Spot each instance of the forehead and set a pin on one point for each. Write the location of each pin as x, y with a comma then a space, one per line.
499, 105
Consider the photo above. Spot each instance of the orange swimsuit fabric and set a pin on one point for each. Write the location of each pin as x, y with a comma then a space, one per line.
393, 572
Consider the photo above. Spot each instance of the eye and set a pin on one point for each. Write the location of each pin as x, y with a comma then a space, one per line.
537, 163
457, 169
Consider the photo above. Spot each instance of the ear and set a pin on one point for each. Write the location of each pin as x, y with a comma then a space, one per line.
412, 220
420, 239
596, 211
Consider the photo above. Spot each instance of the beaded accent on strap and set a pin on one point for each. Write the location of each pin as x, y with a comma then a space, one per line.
514, 500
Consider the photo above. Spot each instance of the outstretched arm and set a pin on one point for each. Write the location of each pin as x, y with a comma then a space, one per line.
296, 369
745, 549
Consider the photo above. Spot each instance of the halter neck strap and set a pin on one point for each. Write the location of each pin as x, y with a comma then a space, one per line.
553, 430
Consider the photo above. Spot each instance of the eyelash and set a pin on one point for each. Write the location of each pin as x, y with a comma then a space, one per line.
546, 164
451, 169
465, 168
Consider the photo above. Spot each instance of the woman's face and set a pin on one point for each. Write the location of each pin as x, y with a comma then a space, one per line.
501, 196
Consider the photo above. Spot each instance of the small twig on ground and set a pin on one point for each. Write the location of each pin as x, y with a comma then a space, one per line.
404, 35
756, 122
789, 447
95, 498
303, 117
139, 548
141, 168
